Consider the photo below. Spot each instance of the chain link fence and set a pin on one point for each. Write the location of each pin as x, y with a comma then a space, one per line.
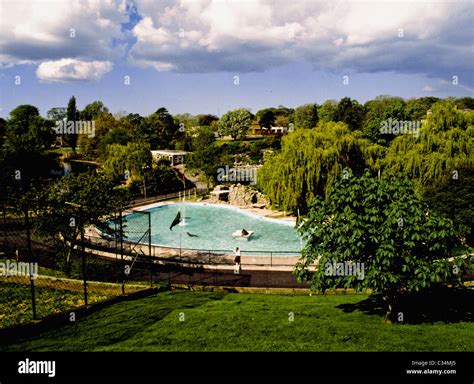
37, 279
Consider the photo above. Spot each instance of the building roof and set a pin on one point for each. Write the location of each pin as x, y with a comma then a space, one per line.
168, 152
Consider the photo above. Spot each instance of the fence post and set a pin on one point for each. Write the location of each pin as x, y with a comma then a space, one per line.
149, 249
122, 270
83, 252
84, 269
209, 257
5, 232
271, 259
30, 260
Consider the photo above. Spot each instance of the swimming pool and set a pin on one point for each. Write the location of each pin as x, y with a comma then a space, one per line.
210, 227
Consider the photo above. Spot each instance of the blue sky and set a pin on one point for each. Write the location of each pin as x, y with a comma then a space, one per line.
185, 55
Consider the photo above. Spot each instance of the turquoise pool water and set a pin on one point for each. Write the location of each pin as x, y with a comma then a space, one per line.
212, 227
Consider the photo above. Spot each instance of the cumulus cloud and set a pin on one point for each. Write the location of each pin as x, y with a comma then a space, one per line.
33, 31
66, 70
431, 38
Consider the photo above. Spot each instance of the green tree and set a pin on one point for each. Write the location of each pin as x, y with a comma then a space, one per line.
3, 130
439, 160
127, 162
465, 103
74, 202
453, 199
117, 135
92, 110
350, 112
266, 117
24, 161
235, 123
57, 114
445, 144
185, 123
135, 120
151, 131
382, 227
103, 123
383, 109
72, 114
205, 156
306, 116
27, 131
170, 130
283, 111
311, 160
159, 130
418, 108
327, 111
163, 179
206, 120
281, 121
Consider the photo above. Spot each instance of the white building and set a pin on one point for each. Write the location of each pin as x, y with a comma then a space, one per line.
174, 157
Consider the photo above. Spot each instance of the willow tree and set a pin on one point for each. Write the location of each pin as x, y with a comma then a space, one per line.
445, 144
311, 160
440, 161
127, 161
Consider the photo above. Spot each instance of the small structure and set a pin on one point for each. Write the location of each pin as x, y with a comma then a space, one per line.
275, 131
256, 130
174, 157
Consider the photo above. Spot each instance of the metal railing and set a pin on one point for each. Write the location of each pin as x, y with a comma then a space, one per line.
189, 192
223, 257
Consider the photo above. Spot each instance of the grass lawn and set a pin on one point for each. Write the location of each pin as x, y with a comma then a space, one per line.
53, 295
212, 321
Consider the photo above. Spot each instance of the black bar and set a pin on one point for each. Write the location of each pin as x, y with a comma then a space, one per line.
346, 365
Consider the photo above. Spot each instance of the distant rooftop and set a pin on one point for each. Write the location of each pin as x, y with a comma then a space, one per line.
168, 152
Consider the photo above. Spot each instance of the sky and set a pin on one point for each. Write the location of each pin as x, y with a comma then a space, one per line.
211, 56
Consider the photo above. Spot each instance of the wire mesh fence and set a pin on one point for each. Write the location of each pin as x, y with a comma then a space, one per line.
38, 278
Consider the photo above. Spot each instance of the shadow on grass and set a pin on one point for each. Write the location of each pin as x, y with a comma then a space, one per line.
437, 304
109, 325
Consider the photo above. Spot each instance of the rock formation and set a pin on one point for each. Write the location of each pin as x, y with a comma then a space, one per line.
239, 195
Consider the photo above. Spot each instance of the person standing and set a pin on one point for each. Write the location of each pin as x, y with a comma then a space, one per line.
237, 268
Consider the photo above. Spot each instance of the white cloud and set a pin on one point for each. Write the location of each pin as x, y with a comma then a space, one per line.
35, 30
66, 70
243, 35
338, 36
428, 88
